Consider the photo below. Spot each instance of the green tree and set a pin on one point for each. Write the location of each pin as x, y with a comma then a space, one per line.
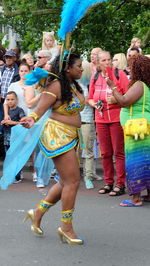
110, 25
30, 19
113, 24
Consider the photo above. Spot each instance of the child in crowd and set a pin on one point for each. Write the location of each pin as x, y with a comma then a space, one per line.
135, 43
49, 43
15, 113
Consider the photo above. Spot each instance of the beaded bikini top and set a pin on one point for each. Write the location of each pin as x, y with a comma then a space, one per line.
74, 107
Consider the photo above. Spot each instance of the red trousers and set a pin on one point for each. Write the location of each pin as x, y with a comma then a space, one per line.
111, 141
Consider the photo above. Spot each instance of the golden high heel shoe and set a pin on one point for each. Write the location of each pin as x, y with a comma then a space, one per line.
71, 241
34, 228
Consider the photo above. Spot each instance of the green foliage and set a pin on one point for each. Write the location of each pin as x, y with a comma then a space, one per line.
29, 26
5, 45
142, 26
110, 25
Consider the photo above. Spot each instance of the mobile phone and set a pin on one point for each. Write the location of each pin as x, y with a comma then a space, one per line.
24, 123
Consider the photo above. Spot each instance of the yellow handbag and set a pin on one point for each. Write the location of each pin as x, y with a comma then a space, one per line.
138, 127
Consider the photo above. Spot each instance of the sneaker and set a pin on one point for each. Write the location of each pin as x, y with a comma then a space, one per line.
17, 181
40, 184
99, 178
35, 178
89, 184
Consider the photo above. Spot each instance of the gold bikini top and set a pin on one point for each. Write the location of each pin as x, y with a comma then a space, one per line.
73, 107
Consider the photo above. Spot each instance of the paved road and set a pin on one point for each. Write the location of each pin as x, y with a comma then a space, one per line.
114, 236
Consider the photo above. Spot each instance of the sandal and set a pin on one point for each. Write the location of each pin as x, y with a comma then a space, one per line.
129, 203
120, 191
105, 189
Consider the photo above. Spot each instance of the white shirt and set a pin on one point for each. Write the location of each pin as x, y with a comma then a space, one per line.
19, 90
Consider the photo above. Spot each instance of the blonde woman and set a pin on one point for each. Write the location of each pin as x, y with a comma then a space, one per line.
135, 43
109, 130
119, 62
28, 58
94, 61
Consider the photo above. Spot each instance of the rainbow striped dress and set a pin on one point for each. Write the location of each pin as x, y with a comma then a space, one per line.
137, 152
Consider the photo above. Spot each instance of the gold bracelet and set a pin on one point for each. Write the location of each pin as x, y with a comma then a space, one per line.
34, 116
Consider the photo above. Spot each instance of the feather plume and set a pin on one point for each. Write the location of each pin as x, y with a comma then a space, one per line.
35, 76
72, 12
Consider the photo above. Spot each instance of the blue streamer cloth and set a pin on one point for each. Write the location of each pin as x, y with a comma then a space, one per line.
72, 12
43, 166
22, 143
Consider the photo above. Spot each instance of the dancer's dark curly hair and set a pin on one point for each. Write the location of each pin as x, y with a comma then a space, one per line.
66, 92
139, 67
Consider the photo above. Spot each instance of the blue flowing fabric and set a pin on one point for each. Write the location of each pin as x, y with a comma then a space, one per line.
22, 143
73, 11
43, 166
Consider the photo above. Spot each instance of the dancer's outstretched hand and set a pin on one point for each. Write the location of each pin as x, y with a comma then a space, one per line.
27, 121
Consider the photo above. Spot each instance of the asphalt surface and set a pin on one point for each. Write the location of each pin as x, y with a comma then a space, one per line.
114, 236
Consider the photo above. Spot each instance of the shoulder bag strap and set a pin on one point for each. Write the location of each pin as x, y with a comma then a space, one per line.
144, 98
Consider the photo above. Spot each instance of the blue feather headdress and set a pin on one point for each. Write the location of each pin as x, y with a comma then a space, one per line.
73, 11
35, 76
38, 75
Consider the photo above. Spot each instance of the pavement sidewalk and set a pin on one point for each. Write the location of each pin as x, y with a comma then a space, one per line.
114, 236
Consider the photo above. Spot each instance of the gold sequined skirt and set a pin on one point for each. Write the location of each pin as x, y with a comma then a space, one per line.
57, 138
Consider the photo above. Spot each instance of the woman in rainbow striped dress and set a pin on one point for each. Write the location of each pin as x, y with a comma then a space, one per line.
136, 105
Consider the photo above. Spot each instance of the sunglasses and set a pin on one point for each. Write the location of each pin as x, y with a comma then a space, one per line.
39, 57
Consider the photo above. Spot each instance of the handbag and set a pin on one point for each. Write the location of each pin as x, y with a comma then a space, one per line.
138, 127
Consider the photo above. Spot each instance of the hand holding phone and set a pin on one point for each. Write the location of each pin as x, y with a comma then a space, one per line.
109, 72
27, 121
24, 123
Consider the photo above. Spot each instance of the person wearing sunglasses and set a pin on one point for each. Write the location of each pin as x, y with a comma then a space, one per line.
43, 57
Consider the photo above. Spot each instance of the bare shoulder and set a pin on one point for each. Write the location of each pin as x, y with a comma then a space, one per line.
54, 86
138, 85
135, 92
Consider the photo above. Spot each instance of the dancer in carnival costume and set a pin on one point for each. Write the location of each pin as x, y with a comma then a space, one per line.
61, 131
58, 141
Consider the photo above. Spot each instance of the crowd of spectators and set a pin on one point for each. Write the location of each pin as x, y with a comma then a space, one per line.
102, 131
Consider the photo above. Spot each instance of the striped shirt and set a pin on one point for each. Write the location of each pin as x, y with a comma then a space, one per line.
6, 80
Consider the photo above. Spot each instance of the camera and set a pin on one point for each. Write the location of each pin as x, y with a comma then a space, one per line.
99, 104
